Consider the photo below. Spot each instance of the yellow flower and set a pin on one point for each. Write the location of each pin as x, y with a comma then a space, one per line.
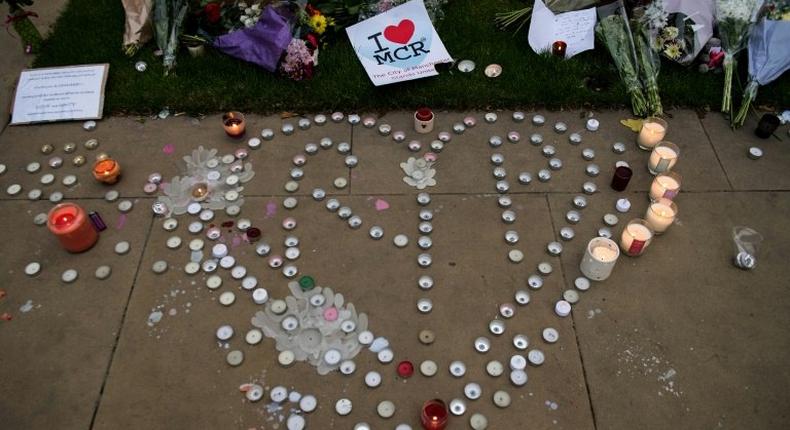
672, 50
786, 16
318, 23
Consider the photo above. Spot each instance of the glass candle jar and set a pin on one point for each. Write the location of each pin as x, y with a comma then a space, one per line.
661, 214
665, 185
621, 178
636, 236
234, 124
599, 258
663, 158
434, 415
652, 132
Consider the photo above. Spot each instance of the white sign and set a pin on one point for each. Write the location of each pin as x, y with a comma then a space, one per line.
398, 45
576, 29
60, 93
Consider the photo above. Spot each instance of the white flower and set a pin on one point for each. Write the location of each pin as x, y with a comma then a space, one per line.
740, 10
256, 6
419, 173
243, 18
249, 23
248, 11
656, 15
242, 5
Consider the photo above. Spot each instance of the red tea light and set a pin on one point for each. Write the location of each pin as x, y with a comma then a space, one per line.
405, 369
234, 124
107, 170
434, 415
559, 48
73, 228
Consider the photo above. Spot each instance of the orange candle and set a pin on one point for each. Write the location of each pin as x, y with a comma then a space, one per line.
234, 124
72, 226
107, 170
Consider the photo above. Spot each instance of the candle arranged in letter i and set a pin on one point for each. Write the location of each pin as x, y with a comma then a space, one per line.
636, 236
652, 132
661, 214
72, 226
434, 415
663, 158
599, 258
665, 185
234, 124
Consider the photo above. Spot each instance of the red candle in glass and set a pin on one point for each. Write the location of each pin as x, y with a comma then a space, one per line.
234, 124
72, 226
622, 175
558, 48
434, 415
405, 369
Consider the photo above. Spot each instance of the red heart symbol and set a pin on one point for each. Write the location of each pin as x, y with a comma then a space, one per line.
400, 33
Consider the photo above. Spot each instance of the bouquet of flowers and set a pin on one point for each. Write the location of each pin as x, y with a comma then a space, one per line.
168, 22
769, 53
20, 19
679, 29
649, 64
735, 22
615, 33
301, 55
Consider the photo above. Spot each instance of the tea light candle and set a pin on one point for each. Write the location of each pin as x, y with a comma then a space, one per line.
234, 124
434, 415
652, 132
599, 258
663, 158
106, 170
71, 225
636, 236
661, 214
665, 185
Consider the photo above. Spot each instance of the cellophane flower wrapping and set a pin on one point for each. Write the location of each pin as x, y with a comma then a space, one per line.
734, 18
262, 44
613, 31
769, 57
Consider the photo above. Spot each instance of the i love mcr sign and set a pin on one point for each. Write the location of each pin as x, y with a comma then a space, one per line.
398, 45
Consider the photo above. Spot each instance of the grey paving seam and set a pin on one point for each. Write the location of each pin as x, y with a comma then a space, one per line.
710, 142
573, 323
121, 325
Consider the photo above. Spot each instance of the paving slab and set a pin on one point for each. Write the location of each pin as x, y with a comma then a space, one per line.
732, 147
57, 347
146, 146
680, 334
174, 374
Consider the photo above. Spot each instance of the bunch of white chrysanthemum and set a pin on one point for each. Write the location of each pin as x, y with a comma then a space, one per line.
251, 14
741, 10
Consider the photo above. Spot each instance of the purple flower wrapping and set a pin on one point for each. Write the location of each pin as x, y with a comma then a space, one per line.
262, 44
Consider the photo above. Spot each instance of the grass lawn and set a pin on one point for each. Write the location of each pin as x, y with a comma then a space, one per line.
90, 31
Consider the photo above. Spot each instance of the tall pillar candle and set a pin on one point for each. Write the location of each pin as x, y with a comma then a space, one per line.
599, 258
73, 228
661, 214
652, 132
665, 185
636, 236
663, 158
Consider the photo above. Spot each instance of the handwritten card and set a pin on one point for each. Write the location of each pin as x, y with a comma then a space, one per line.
60, 94
576, 29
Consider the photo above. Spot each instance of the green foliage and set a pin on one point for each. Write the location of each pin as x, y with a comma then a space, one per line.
215, 82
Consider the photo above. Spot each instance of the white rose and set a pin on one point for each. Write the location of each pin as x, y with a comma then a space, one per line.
256, 6
242, 5
244, 18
